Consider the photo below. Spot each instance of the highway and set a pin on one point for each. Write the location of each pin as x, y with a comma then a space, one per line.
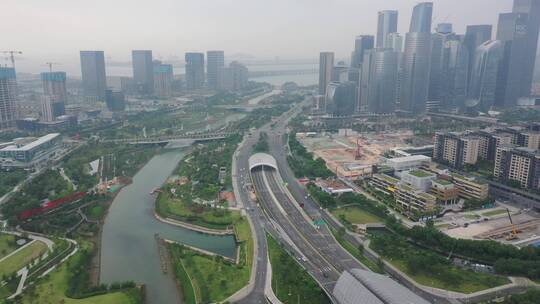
270, 196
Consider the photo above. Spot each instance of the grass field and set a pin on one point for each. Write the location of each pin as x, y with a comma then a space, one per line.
494, 212
52, 289
17, 261
7, 244
204, 217
356, 215
96, 212
290, 282
245, 239
212, 278
471, 283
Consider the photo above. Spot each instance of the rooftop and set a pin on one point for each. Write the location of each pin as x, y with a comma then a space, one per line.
420, 173
409, 159
387, 178
442, 182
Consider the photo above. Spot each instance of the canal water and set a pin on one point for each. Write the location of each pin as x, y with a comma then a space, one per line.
129, 249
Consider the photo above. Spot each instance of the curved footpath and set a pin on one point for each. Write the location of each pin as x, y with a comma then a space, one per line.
196, 228
23, 272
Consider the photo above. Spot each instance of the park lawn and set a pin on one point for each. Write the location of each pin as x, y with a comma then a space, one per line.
471, 216
212, 278
17, 261
52, 289
207, 217
244, 237
96, 212
494, 212
7, 244
470, 281
290, 282
356, 215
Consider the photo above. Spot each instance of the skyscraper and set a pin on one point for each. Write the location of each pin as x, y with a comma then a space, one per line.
421, 18
438, 42
234, 77
194, 70
326, 68
163, 78
54, 84
532, 9
341, 98
53, 101
361, 45
394, 41
387, 24
94, 79
415, 66
379, 81
514, 81
216, 60
454, 71
8, 96
115, 101
488, 59
475, 36
143, 71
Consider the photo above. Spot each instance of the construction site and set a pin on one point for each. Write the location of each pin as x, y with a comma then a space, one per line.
504, 223
350, 154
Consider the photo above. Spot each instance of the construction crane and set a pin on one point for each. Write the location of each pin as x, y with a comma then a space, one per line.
514, 234
12, 56
50, 64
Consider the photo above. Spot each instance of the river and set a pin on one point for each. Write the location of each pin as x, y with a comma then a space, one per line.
129, 249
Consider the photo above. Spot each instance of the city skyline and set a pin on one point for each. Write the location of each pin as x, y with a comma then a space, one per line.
62, 36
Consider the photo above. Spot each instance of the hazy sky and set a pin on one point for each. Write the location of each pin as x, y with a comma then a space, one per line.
55, 30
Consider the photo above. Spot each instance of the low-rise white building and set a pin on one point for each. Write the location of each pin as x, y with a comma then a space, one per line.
407, 162
25, 153
419, 179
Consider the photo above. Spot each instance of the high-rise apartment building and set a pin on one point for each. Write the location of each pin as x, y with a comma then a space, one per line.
234, 77
143, 71
518, 164
415, 66
485, 73
215, 61
387, 24
326, 68
379, 81
163, 78
8, 97
94, 78
194, 70
456, 149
